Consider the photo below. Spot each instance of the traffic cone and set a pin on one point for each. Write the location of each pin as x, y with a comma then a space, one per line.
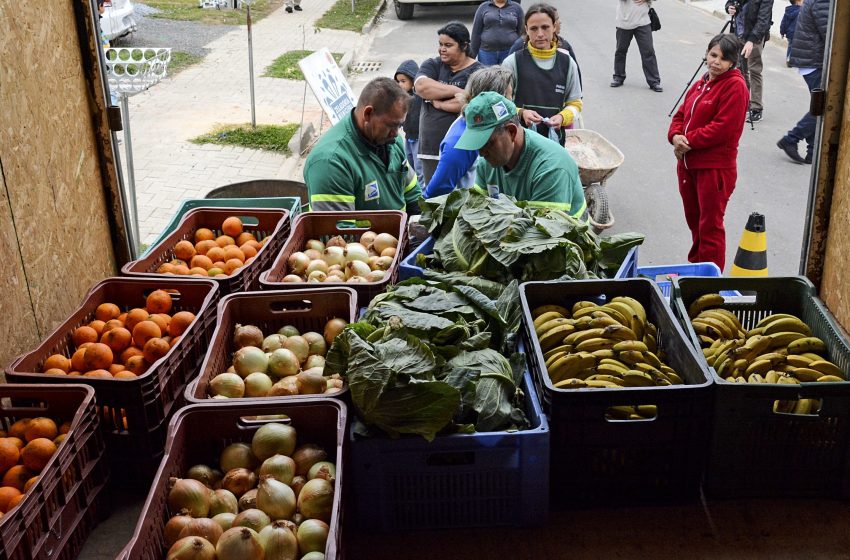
751, 258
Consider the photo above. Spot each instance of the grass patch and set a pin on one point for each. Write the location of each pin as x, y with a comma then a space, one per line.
188, 10
340, 16
181, 60
271, 137
286, 65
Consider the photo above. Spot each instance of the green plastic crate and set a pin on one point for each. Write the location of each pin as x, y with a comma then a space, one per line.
291, 203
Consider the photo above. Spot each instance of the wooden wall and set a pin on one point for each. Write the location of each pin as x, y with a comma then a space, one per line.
56, 215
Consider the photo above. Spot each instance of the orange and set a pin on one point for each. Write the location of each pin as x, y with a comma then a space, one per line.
198, 271
155, 348
215, 254
59, 439
145, 331
180, 322
254, 243
65, 427
84, 334
158, 301
244, 237
77, 359
31, 481
204, 234
19, 428
125, 374
17, 476
129, 353
224, 241
232, 265
136, 316
106, 311
41, 427
7, 493
115, 368
97, 325
201, 261
181, 269
57, 361
112, 324
100, 373
38, 452
122, 318
165, 268
118, 339
203, 246
162, 320
248, 250
97, 356
232, 226
55, 371
173, 341
184, 250
234, 253
9, 454
19, 443
136, 364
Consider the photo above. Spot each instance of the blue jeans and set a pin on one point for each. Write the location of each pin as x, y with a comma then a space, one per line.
805, 128
492, 58
411, 147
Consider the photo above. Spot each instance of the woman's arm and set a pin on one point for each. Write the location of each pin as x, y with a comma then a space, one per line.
477, 28
431, 90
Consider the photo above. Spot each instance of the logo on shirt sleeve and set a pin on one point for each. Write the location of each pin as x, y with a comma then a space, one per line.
371, 191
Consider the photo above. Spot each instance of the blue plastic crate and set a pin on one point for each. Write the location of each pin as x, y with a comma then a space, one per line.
408, 269
291, 203
459, 480
669, 271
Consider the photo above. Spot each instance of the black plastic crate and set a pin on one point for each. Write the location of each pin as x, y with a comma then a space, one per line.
605, 461
756, 452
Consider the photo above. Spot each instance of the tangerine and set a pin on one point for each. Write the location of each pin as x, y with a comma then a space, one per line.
158, 301
41, 427
99, 373
198, 271
215, 254
84, 334
161, 319
122, 317
98, 325
112, 324
65, 427
125, 374
19, 428
118, 339
33, 480
204, 234
136, 364
145, 331
7, 493
165, 268
16, 500
17, 476
38, 452
115, 368
248, 250
201, 261
154, 349
17, 441
234, 253
173, 341
224, 241
136, 316
181, 270
97, 356
232, 265
59, 439
129, 353
55, 371
9, 454
106, 311
58, 361
244, 237
180, 322
203, 246
184, 250
232, 226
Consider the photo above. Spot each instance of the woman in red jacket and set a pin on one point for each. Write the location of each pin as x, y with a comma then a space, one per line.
704, 134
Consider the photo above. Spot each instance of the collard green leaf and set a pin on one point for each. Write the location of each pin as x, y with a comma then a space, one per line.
489, 288
409, 356
423, 408
367, 375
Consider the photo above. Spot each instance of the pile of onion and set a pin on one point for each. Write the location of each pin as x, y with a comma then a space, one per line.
283, 363
338, 260
271, 498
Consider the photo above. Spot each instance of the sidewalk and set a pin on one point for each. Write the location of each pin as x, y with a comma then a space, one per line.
717, 7
168, 168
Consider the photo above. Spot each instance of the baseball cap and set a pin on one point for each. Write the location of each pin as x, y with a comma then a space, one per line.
484, 113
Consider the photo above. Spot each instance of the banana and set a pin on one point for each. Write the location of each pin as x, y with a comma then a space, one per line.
830, 379
593, 344
622, 412
576, 337
619, 332
582, 304
704, 329
756, 378
803, 406
638, 327
673, 377
650, 341
599, 384
752, 347
608, 369
585, 312
778, 340
754, 332
788, 324
619, 312
616, 380
635, 378
602, 320
759, 367
623, 368
630, 345
652, 359
798, 361
554, 358
812, 356
538, 311
772, 376
708, 354
773, 357
647, 410
556, 350
707, 341
604, 353
807, 344
825, 367
544, 317
632, 357
571, 366
730, 318
555, 336
570, 384
738, 380
636, 306
784, 406
549, 325
583, 323
806, 375
705, 301
787, 380
719, 325
774, 317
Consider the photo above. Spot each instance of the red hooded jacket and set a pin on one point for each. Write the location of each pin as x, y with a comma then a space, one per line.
712, 119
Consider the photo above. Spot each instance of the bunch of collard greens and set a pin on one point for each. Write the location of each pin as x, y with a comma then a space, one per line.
501, 239
429, 358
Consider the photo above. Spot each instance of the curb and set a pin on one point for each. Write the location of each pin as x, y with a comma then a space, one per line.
367, 27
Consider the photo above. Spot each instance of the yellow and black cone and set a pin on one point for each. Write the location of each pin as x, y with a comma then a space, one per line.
751, 258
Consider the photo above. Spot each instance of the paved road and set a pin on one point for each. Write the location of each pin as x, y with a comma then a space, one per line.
643, 192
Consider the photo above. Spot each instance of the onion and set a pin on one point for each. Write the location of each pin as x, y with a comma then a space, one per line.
313, 536
298, 262
316, 499
283, 362
310, 382
307, 455
250, 359
314, 254
203, 474
239, 480
272, 439
335, 382
279, 467
356, 268
272, 342
356, 252
356, 280
334, 256
315, 265
333, 328
368, 238
247, 335
191, 548
336, 241
228, 385
322, 469
239, 543
174, 525
384, 241
375, 276
238, 455
292, 278
298, 483
189, 494
248, 500
316, 344
286, 387
314, 556
275, 498
315, 245
225, 520
279, 542
335, 276
315, 361
332, 390
298, 519
373, 262
317, 276
384, 263
288, 330
252, 518
202, 527
257, 384
299, 346
389, 252
334, 268
223, 501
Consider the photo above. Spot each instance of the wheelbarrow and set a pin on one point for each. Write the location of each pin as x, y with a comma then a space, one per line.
597, 160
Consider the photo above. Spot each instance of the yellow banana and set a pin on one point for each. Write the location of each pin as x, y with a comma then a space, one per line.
619, 332
555, 357
549, 325
705, 301
593, 344
807, 344
755, 378
599, 384
754, 331
608, 369
636, 306
630, 345
570, 384
647, 410
614, 363
671, 374
707, 341
632, 357
772, 376
571, 366
803, 406
616, 380
650, 341
727, 316
787, 380
806, 375
620, 412
562, 348
583, 323
604, 353
811, 356
825, 367
798, 361
759, 367
830, 379
554, 337
704, 329
788, 324
623, 309
774, 317
560, 310
602, 320
784, 406
635, 378
778, 340
719, 325
545, 317
585, 312
578, 336
582, 304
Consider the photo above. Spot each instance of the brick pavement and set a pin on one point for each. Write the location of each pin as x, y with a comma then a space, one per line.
168, 168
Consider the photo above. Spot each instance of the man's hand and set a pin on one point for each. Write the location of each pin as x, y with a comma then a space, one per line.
529, 117
748, 48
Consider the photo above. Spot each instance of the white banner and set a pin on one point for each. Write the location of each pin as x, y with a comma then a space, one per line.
328, 84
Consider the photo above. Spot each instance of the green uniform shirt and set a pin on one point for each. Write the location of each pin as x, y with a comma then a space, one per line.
545, 175
342, 173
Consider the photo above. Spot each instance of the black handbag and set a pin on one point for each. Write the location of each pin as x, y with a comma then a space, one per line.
654, 22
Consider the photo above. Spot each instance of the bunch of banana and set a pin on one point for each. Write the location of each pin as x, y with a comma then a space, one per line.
632, 412
601, 346
779, 349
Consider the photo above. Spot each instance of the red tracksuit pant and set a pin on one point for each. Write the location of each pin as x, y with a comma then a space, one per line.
705, 193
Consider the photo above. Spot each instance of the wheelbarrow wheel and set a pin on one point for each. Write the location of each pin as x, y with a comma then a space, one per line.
601, 217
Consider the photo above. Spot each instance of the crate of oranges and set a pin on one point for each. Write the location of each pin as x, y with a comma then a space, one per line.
53, 470
138, 342
230, 245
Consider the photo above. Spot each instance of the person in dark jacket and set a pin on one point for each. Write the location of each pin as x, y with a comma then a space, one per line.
788, 24
497, 24
756, 20
807, 52
404, 77
705, 132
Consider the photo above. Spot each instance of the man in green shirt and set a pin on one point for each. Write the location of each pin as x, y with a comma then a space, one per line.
524, 165
360, 164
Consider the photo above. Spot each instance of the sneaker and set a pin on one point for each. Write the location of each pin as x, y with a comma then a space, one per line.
790, 150
754, 116
297, 8
808, 159
656, 88
288, 10
616, 83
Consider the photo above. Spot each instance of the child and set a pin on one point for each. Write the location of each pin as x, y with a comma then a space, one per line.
788, 24
404, 77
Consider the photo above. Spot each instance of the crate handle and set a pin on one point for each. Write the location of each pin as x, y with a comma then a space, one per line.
249, 221
10, 410
173, 292
793, 407
251, 421
301, 305
631, 413
450, 459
